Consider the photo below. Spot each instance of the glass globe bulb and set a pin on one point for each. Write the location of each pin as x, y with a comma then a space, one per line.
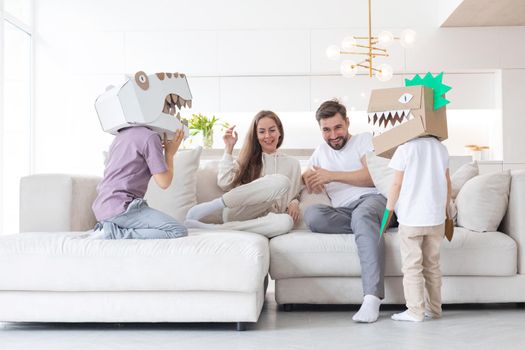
333, 53
348, 43
385, 72
408, 37
348, 69
385, 37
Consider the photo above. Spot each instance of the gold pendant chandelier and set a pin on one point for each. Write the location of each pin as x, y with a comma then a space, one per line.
369, 45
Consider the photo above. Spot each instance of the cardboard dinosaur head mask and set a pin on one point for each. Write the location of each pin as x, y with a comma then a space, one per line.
153, 100
398, 115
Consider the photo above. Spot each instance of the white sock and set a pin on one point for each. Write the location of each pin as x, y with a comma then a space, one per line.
198, 224
369, 311
202, 209
405, 316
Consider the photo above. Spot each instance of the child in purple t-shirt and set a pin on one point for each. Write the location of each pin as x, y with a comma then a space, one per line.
134, 157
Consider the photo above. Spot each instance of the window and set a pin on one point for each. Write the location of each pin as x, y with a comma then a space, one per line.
15, 113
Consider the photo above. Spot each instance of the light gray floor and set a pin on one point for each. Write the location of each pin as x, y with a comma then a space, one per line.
326, 328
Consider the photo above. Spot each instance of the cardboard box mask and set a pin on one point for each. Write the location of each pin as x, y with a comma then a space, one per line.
146, 100
398, 115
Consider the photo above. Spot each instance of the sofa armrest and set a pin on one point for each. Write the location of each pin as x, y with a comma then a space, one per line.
513, 223
55, 202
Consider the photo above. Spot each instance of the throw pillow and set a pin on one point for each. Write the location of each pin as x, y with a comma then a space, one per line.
181, 195
482, 201
382, 175
462, 175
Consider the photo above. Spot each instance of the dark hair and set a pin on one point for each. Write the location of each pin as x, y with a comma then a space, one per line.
250, 155
330, 108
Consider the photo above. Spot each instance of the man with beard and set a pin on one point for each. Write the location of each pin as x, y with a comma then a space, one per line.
339, 167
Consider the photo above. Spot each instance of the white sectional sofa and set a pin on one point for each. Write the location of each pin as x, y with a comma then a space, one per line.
51, 273
478, 267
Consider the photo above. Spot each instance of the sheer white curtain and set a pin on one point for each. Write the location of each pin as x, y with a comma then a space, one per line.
15, 111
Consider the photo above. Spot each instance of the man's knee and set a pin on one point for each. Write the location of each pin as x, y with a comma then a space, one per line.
314, 217
365, 221
370, 210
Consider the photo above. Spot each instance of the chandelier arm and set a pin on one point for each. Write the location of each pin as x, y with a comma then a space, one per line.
356, 53
368, 67
364, 53
373, 47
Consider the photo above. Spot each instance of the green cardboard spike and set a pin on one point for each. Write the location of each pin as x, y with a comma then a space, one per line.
434, 83
387, 216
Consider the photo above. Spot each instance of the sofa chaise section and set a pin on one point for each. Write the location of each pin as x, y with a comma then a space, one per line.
61, 276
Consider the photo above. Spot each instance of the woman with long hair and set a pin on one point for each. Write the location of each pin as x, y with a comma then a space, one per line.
262, 184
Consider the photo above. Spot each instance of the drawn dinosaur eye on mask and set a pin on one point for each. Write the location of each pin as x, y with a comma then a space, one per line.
405, 98
142, 80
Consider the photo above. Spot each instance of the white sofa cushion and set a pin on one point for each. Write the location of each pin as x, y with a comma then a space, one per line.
56, 202
482, 201
207, 188
210, 261
305, 254
181, 195
462, 175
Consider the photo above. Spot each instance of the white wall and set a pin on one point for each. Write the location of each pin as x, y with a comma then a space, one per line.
242, 56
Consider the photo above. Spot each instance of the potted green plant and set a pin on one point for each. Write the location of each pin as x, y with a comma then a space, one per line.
201, 124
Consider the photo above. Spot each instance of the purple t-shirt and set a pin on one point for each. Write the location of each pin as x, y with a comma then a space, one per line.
134, 156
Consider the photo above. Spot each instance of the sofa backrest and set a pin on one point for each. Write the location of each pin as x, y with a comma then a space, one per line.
207, 188
55, 202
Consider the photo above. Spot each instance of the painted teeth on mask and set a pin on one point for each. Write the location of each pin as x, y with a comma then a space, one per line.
386, 120
173, 101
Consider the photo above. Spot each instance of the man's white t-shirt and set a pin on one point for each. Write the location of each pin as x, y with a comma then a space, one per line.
346, 159
423, 193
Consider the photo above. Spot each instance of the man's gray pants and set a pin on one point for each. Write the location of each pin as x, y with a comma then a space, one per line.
139, 221
363, 219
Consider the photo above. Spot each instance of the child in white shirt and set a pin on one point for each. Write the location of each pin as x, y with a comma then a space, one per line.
421, 190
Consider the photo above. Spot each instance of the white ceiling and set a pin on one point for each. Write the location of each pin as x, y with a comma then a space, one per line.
485, 13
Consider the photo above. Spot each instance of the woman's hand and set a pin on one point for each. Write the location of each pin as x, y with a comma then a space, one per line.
230, 138
293, 210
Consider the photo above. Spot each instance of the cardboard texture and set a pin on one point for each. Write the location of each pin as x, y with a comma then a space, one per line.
145, 100
449, 228
408, 110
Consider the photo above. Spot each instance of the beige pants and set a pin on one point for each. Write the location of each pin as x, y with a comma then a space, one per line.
252, 207
421, 273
